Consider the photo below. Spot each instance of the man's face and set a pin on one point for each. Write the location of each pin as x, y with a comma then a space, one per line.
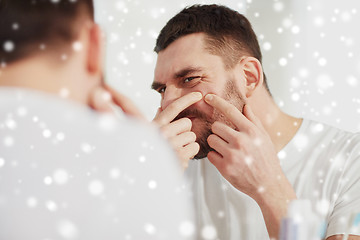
185, 66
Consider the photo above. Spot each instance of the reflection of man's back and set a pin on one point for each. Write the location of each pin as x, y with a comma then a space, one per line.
69, 173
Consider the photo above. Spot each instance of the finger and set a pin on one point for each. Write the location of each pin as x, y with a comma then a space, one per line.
215, 158
229, 111
182, 140
224, 131
218, 144
100, 100
158, 112
170, 112
125, 103
189, 151
249, 114
176, 127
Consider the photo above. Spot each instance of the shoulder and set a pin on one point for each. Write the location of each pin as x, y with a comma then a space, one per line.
330, 135
55, 123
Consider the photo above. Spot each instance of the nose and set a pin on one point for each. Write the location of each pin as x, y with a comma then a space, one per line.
171, 94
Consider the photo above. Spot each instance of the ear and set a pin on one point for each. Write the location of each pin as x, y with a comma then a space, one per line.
253, 74
95, 51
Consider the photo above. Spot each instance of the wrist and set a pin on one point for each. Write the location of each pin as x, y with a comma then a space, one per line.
273, 202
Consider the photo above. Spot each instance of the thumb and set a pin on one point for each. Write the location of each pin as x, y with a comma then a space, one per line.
125, 103
100, 100
159, 111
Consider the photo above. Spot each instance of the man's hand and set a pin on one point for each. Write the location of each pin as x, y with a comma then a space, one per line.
178, 132
104, 98
246, 157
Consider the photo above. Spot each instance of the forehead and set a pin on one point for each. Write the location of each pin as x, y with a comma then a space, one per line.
186, 52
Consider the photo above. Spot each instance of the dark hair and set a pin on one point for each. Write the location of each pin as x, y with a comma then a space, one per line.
228, 33
25, 24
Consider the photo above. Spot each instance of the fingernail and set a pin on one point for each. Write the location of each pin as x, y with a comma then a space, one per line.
197, 94
209, 97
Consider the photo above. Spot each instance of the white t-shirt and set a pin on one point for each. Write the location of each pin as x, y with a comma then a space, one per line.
67, 172
323, 165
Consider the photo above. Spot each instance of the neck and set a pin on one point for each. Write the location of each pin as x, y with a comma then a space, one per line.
40, 73
280, 126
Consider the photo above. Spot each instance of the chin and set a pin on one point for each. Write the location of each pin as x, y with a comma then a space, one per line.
200, 155
204, 146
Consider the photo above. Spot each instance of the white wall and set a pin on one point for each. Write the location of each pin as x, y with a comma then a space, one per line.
311, 52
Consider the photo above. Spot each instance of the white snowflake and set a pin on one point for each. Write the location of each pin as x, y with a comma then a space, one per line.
77, 46
2, 162
323, 206
67, 229
319, 21
15, 26
96, 187
31, 202
282, 155
9, 141
208, 232
283, 62
87, 148
9, 46
51, 206
267, 46
352, 81
278, 6
22, 111
10, 123
150, 229
114, 173
295, 29
324, 82
142, 158
152, 184
48, 180
317, 128
301, 141
186, 229
61, 176
47, 133
295, 97
60, 136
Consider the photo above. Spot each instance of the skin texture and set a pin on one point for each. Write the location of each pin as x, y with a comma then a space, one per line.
246, 133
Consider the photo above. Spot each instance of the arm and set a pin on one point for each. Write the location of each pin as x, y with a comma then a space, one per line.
246, 157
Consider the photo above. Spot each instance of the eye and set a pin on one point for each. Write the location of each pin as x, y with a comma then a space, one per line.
189, 79
161, 90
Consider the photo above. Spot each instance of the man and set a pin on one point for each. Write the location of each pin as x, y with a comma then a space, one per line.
255, 159
67, 172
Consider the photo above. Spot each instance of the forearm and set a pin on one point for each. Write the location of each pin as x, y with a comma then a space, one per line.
274, 203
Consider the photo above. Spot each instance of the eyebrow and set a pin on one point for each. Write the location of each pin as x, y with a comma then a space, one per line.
186, 71
180, 74
156, 85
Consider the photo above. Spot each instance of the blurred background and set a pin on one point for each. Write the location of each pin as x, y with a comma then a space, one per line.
310, 52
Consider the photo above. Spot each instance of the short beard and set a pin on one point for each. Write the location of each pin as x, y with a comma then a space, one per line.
232, 95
